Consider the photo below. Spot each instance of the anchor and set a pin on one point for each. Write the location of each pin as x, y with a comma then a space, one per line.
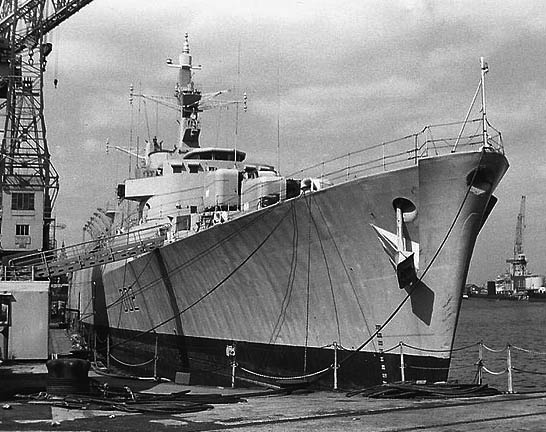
405, 263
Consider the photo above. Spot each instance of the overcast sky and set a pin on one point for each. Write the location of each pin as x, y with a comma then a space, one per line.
345, 74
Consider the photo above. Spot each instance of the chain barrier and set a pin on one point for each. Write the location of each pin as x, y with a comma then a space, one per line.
494, 350
528, 351
285, 378
132, 365
335, 347
440, 350
480, 364
493, 372
110, 356
528, 371
428, 367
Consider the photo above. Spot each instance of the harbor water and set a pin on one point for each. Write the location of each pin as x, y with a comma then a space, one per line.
499, 323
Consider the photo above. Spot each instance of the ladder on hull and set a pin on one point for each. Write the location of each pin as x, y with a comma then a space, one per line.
57, 262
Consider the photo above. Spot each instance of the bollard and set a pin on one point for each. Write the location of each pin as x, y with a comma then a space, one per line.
67, 376
509, 368
230, 354
402, 366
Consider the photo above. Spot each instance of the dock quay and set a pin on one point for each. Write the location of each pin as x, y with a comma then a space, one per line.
321, 411
249, 409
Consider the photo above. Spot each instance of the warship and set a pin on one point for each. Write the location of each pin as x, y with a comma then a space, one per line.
350, 271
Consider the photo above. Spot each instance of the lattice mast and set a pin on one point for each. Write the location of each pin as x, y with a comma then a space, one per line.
518, 264
520, 226
25, 161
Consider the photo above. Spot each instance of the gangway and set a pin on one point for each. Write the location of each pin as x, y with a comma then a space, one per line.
88, 254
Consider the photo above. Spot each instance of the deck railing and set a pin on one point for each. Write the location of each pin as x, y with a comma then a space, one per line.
84, 255
432, 140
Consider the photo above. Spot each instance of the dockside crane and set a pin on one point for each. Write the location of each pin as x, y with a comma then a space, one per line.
518, 264
28, 181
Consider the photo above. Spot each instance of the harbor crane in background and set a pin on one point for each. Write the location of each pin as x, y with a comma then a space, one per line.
518, 264
29, 183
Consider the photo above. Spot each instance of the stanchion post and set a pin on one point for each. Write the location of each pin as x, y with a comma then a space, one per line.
155, 358
335, 365
233, 367
480, 363
509, 367
230, 354
95, 345
402, 366
108, 351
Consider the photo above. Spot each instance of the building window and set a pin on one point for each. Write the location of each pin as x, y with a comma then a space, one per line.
22, 230
5, 315
22, 201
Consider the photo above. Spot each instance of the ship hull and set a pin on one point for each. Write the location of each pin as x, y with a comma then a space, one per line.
209, 364
287, 284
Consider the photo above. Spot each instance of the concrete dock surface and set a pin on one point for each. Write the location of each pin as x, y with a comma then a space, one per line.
256, 411
300, 411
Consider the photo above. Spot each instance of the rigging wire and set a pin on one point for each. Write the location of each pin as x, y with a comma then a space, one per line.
412, 288
391, 316
201, 254
147, 120
425, 271
56, 47
332, 238
315, 376
327, 272
121, 299
291, 278
236, 137
156, 118
213, 289
308, 287
218, 117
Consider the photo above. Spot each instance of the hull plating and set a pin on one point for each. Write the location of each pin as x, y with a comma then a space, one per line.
287, 282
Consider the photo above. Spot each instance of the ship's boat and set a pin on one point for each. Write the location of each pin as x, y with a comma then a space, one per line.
351, 271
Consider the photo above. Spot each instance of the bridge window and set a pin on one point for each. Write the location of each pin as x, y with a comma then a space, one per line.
22, 201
